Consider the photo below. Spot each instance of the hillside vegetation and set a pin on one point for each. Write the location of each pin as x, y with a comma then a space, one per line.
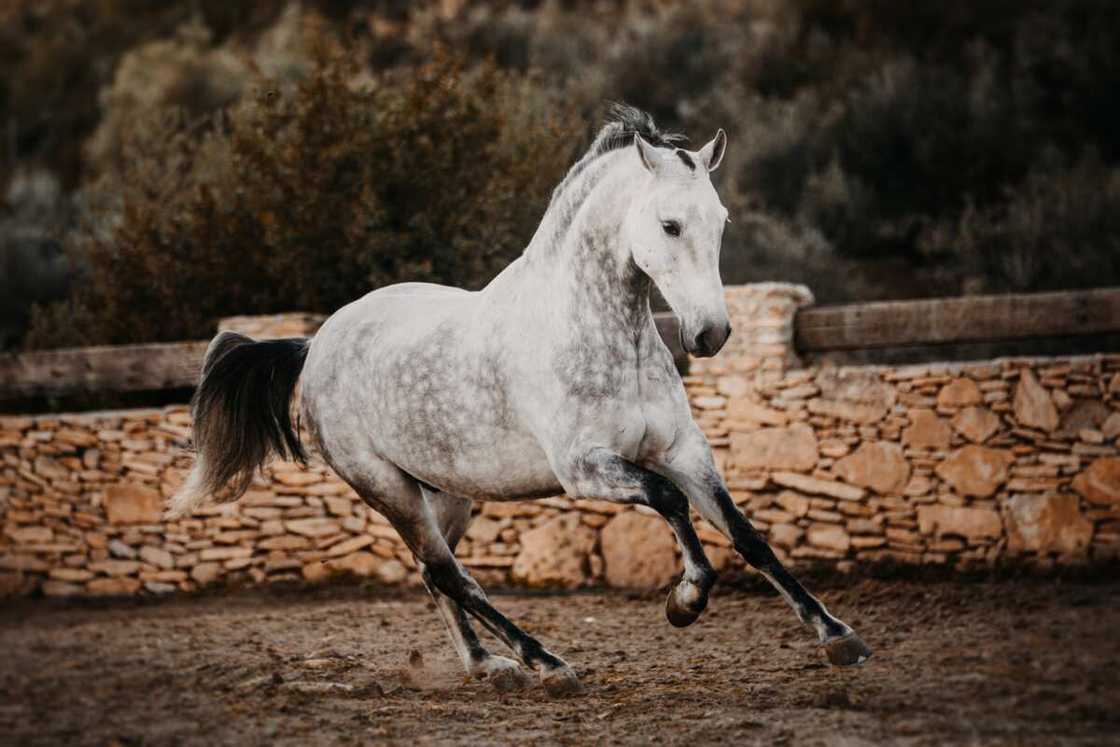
170, 163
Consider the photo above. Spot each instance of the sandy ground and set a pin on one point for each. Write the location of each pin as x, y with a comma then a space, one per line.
1019, 662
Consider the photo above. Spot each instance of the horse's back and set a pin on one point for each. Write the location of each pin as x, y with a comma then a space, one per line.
392, 307
417, 290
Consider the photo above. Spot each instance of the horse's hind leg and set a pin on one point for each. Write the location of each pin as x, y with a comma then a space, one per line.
444, 571
453, 515
399, 498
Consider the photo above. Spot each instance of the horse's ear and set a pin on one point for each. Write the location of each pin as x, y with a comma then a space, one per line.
712, 153
651, 159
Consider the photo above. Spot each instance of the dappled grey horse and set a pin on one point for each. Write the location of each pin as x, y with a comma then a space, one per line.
551, 379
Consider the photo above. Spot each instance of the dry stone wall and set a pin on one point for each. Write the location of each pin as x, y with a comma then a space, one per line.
969, 464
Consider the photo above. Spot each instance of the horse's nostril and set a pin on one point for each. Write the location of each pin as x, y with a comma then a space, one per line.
709, 340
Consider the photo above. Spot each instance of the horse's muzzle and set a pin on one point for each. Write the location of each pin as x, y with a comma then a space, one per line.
709, 340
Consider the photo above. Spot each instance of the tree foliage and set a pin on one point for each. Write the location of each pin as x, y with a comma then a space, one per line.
310, 197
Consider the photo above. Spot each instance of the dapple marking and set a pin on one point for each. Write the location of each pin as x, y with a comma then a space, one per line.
551, 379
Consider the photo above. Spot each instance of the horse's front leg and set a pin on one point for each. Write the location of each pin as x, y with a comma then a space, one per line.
691, 467
601, 473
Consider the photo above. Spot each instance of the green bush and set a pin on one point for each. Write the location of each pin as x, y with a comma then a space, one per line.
308, 199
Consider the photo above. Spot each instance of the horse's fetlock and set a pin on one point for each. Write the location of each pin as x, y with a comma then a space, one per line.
708, 578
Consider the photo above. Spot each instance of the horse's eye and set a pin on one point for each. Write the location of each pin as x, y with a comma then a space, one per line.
671, 227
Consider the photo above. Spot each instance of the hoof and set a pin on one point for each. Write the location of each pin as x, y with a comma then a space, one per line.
679, 616
847, 650
506, 675
561, 682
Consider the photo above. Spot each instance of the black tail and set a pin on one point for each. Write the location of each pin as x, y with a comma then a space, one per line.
242, 414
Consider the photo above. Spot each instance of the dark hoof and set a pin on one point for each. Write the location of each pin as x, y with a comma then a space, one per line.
680, 616
847, 650
561, 682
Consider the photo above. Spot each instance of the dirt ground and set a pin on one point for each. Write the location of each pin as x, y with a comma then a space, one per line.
1019, 662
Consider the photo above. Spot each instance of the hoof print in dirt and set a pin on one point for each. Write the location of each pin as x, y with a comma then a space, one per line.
847, 651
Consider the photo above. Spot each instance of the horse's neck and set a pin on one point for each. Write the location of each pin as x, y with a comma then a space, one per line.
587, 269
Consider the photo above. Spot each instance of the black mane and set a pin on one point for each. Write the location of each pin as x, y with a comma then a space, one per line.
624, 122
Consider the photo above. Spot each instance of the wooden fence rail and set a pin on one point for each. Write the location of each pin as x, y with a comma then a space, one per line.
948, 321
115, 368
867, 326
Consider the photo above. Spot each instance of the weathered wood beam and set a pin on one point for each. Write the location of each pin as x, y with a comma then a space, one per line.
891, 324
150, 367
943, 321
117, 368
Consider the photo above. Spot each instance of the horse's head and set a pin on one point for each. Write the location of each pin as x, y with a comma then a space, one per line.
674, 229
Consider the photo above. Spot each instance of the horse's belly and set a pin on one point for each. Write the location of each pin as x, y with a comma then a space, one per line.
510, 466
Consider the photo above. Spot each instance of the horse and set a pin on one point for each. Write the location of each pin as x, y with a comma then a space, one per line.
551, 379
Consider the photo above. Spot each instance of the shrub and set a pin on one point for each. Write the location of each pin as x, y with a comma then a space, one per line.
308, 199
1058, 229
33, 267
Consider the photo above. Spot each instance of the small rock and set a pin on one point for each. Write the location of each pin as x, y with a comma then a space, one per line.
157, 556
927, 431
878, 465
1099, 483
1110, 428
713, 402
352, 545
977, 424
315, 571
732, 385
961, 392
830, 537
1047, 523
30, 535
971, 523
113, 587
483, 530
744, 409
131, 503
790, 448
361, 564
1033, 406
796, 504
639, 551
119, 549
1090, 436
313, 527
555, 553
785, 535
975, 470
160, 587
806, 484
392, 572
205, 573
